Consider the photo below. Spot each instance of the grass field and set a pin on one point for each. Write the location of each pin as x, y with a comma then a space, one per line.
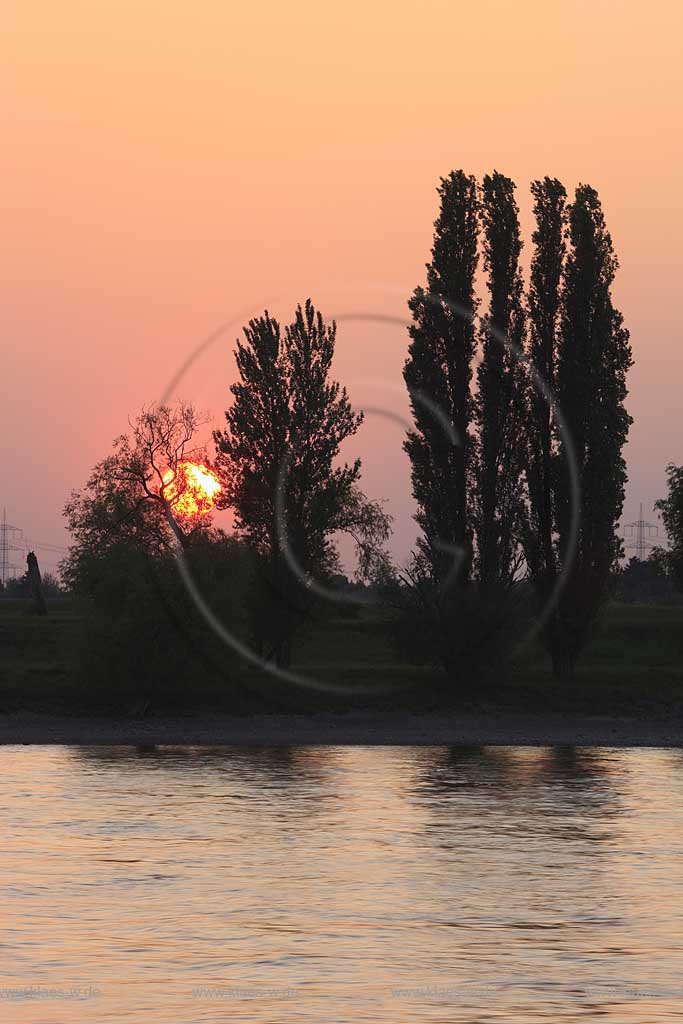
633, 666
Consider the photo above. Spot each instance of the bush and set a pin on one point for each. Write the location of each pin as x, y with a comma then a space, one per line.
469, 632
144, 637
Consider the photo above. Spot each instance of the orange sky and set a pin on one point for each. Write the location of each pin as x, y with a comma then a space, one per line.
168, 165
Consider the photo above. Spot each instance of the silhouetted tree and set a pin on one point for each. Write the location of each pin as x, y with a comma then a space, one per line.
594, 358
143, 634
500, 399
276, 458
433, 599
438, 373
465, 451
123, 500
671, 509
544, 300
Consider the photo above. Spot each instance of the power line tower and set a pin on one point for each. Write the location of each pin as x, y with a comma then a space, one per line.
640, 538
8, 535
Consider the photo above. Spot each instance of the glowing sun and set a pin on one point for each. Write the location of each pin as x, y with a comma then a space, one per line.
191, 489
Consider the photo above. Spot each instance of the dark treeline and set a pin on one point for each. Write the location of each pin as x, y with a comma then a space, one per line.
519, 424
20, 586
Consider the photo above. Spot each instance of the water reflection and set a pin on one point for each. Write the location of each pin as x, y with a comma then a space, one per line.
320, 884
556, 780
279, 764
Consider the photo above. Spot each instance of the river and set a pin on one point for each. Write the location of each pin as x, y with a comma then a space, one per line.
269, 885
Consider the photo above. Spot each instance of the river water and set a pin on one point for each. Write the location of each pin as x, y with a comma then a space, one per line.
273, 885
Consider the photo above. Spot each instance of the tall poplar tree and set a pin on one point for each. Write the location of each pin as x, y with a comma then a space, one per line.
594, 358
544, 300
438, 373
500, 399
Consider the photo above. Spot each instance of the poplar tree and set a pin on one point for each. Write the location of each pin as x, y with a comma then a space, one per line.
544, 300
594, 358
438, 374
500, 399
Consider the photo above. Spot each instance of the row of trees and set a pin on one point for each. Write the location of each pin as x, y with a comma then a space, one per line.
516, 448
536, 477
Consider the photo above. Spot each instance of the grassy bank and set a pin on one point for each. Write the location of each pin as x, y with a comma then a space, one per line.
633, 666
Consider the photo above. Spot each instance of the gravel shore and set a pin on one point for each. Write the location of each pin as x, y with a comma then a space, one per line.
365, 728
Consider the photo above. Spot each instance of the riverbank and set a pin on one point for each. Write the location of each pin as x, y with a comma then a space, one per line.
628, 690
490, 728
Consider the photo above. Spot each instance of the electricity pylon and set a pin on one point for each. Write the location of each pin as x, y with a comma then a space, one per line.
8, 535
640, 537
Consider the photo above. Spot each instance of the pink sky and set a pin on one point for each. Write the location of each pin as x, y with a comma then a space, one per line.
168, 165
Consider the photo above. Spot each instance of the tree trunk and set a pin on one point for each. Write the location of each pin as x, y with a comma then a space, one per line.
564, 663
283, 654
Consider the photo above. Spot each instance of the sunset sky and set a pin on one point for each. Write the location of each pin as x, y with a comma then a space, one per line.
169, 167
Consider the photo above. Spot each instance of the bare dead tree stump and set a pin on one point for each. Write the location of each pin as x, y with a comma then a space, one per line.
37, 606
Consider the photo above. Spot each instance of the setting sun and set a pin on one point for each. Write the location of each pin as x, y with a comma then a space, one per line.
191, 489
